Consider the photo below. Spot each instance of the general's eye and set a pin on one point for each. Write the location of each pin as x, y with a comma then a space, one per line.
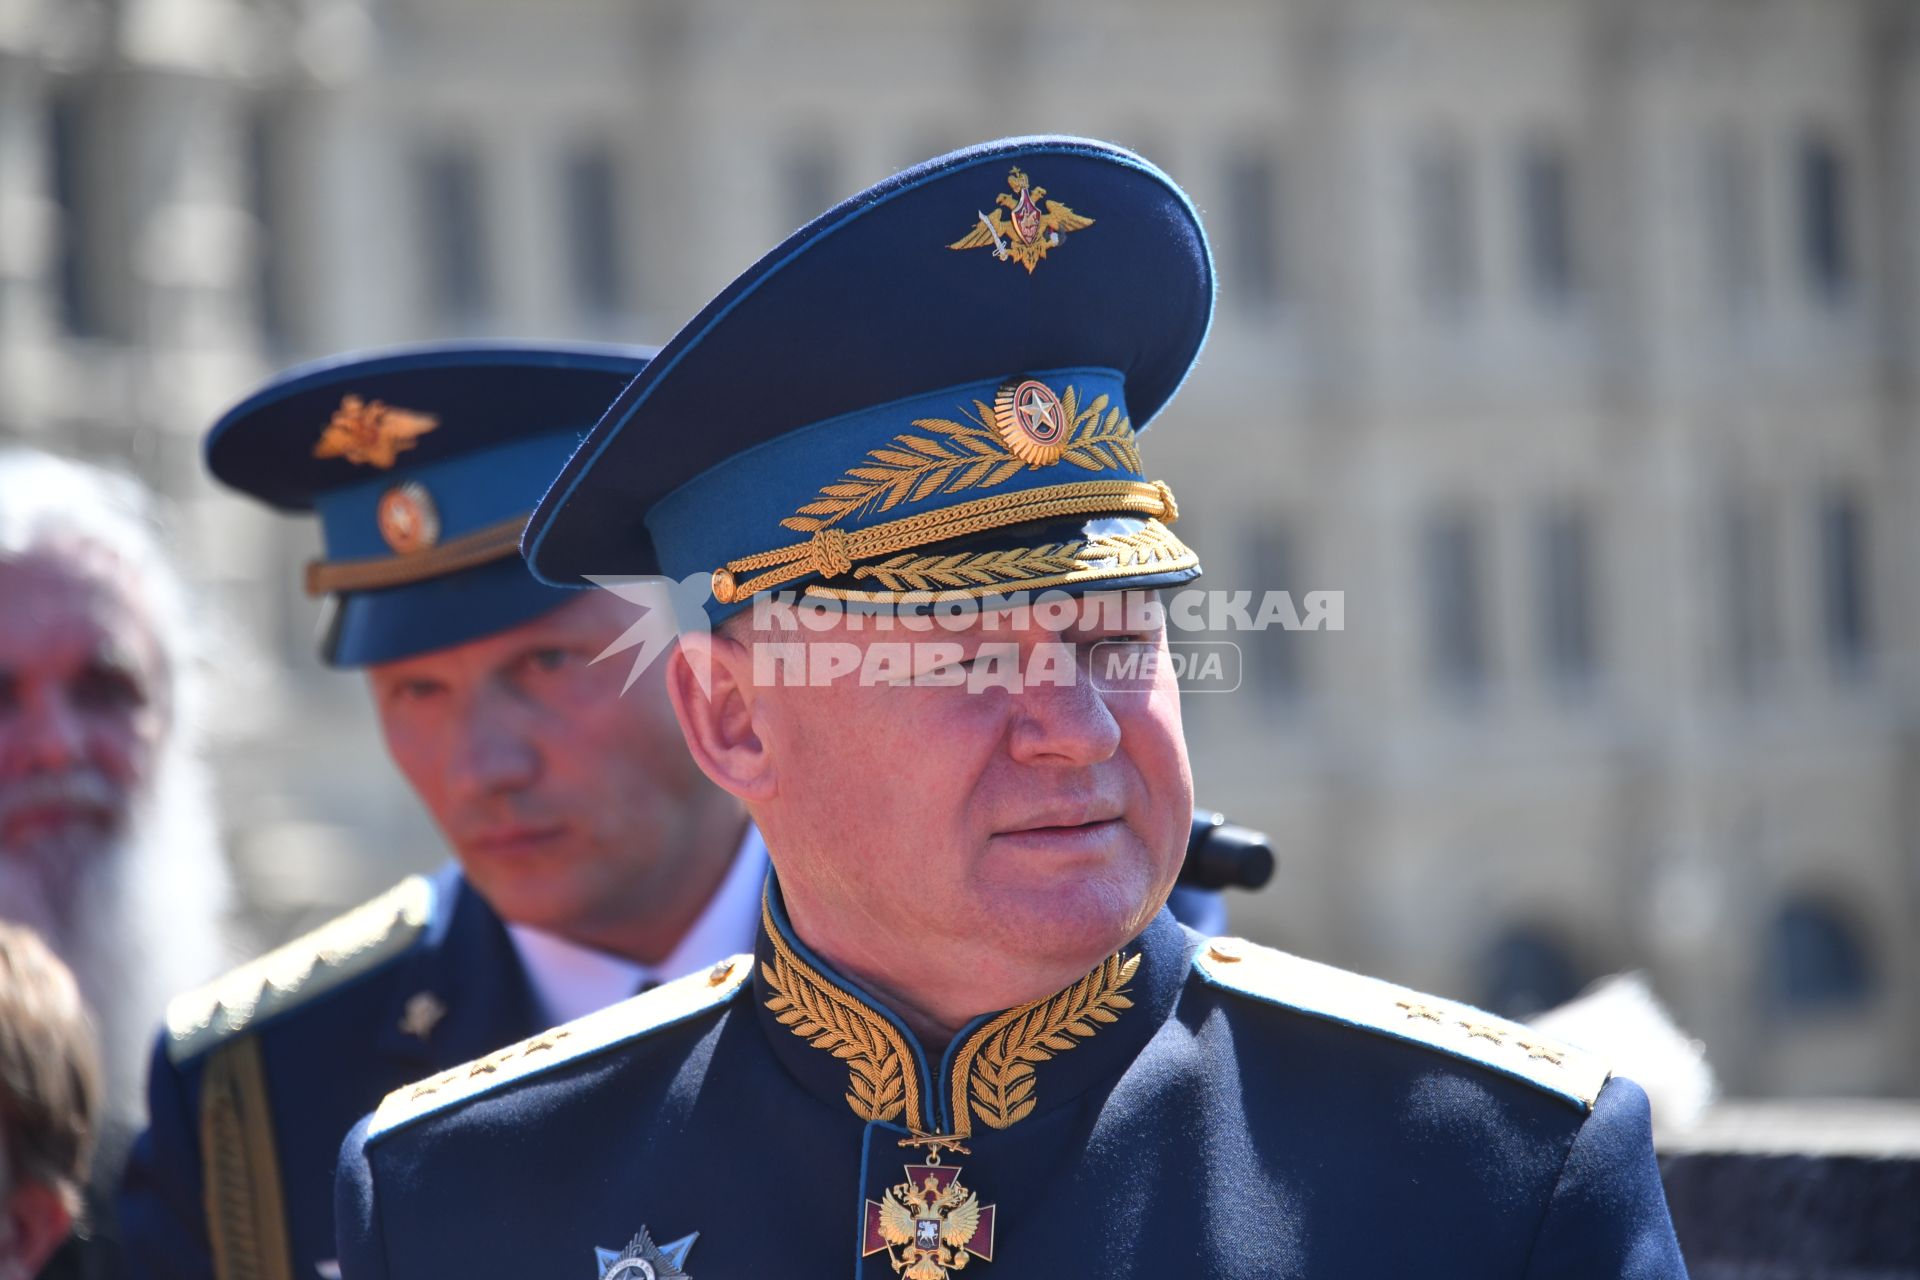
1120, 638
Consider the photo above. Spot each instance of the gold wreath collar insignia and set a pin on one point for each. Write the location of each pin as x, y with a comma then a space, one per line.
995, 1079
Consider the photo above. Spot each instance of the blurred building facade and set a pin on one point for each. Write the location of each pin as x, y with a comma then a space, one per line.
1574, 340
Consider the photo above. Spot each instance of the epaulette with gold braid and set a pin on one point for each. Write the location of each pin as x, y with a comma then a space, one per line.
311, 965
665, 1006
1370, 1004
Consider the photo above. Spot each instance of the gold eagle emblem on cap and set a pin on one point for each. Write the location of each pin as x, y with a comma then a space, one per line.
1021, 229
372, 433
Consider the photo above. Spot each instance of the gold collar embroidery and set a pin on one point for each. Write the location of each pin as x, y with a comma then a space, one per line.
993, 1074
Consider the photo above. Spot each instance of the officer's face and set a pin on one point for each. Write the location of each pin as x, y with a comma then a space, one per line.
924, 824
568, 805
81, 716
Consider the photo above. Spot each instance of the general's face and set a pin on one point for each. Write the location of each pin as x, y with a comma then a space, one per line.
562, 799
1013, 828
81, 712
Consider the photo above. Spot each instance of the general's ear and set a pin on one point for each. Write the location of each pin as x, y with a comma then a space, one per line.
710, 683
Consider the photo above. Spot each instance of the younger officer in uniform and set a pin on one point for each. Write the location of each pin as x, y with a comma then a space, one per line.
969, 1037
593, 857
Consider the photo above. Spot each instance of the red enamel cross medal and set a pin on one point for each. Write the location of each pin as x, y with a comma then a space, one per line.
930, 1225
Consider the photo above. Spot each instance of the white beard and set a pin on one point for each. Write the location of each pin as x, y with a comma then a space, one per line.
138, 922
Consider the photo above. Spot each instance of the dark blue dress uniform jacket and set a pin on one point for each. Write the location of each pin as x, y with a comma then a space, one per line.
340, 1020
1191, 1109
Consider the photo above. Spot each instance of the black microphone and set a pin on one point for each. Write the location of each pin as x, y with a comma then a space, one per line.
1222, 855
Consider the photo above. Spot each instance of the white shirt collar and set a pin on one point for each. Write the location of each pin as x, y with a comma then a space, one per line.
571, 981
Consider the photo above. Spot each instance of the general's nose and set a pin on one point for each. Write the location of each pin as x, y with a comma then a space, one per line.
1062, 720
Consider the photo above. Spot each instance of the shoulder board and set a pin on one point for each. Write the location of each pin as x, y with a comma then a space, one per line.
1369, 1004
337, 952
665, 1006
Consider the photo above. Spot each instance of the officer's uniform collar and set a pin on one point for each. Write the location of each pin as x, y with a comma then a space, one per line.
850, 1050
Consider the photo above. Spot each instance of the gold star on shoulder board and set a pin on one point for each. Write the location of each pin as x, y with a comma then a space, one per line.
1414, 1009
1551, 1053
1485, 1031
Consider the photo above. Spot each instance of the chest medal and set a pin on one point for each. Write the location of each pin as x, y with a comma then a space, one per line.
930, 1225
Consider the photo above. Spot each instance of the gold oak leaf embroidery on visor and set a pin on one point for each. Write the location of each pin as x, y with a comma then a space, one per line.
1154, 546
948, 456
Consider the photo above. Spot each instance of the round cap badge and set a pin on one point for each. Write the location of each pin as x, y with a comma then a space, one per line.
1032, 422
408, 520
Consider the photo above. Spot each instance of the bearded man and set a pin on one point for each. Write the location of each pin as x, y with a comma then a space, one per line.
108, 838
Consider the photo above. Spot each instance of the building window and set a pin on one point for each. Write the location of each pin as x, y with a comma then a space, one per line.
1846, 609
1443, 233
70, 187
1546, 214
594, 261
1457, 642
1565, 589
809, 182
1732, 207
1750, 553
1824, 250
1816, 961
453, 236
266, 201
1253, 269
1273, 658
1526, 971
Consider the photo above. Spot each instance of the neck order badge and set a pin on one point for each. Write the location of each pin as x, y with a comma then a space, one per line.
930, 1224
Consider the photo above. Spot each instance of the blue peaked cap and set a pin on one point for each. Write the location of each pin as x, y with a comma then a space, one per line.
422, 464
935, 386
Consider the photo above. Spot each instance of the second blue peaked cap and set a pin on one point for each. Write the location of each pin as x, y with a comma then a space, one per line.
422, 464
936, 386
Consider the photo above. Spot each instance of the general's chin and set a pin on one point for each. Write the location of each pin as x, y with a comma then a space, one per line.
1084, 919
